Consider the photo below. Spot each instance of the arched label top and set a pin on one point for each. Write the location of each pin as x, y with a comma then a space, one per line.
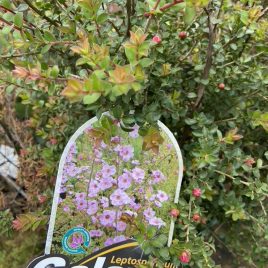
113, 183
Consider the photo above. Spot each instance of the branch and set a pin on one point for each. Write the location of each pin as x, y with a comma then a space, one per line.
208, 65
40, 13
163, 8
114, 26
167, 6
11, 11
18, 55
129, 12
10, 24
150, 14
231, 177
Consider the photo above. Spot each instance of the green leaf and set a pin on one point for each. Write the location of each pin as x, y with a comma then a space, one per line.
131, 54
6, 30
164, 253
45, 49
18, 19
81, 61
146, 62
54, 71
102, 18
89, 99
6, 3
244, 16
48, 36
22, 7
189, 14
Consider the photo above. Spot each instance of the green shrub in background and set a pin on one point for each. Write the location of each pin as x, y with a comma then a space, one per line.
200, 66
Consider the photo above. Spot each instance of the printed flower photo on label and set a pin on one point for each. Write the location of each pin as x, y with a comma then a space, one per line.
116, 185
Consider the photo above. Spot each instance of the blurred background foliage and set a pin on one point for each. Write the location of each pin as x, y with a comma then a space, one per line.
198, 66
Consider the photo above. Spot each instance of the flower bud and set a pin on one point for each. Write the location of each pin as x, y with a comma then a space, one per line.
174, 213
42, 199
197, 192
156, 39
185, 257
196, 217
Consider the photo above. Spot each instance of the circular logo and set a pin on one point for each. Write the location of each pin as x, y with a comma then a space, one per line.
76, 240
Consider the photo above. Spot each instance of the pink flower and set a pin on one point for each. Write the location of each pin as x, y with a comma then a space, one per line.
148, 213
77, 241
196, 192
119, 239
156, 222
119, 198
108, 171
106, 183
80, 196
169, 146
156, 39
66, 209
120, 226
96, 233
125, 152
185, 257
107, 218
124, 181
135, 133
104, 202
81, 205
109, 241
162, 196
138, 174
116, 139
92, 207
158, 176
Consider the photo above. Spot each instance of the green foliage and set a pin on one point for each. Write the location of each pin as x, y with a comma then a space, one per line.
5, 223
65, 61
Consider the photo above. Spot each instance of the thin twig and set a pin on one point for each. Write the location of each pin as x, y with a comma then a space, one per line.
225, 120
167, 6
189, 52
231, 177
189, 218
263, 208
116, 28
